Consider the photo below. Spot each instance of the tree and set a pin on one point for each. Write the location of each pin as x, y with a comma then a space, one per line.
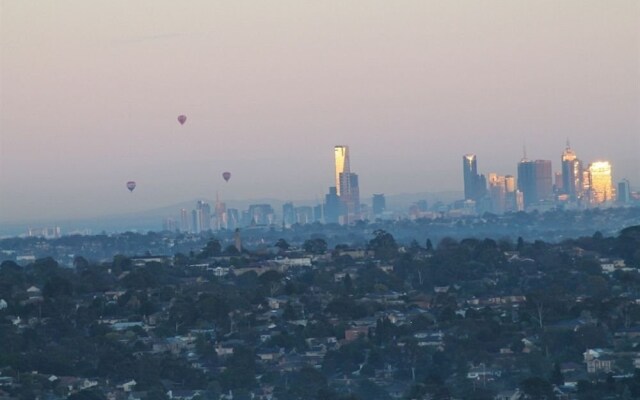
384, 245
315, 246
282, 245
429, 245
231, 250
556, 376
212, 249
348, 284
537, 388
240, 371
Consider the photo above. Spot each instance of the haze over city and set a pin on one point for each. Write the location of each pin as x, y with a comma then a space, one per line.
90, 93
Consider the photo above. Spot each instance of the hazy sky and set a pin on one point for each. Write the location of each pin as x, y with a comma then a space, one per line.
90, 92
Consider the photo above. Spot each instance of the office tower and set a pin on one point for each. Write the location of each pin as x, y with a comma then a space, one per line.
304, 215
534, 180
196, 218
379, 204
347, 187
169, 224
519, 201
600, 182
497, 193
557, 183
510, 183
237, 240
232, 218
205, 215
475, 185
526, 180
544, 179
342, 167
184, 220
624, 192
317, 213
260, 214
222, 220
572, 179
469, 174
288, 214
510, 197
353, 202
332, 206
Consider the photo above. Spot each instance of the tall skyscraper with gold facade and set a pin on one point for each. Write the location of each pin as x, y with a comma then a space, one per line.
347, 187
343, 168
600, 182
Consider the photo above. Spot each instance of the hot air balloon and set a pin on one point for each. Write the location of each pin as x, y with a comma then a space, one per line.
226, 176
182, 119
131, 185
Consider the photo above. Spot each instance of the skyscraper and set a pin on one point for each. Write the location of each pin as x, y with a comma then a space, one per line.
332, 206
184, 220
353, 205
343, 168
535, 180
469, 174
571, 174
347, 187
624, 192
196, 219
288, 214
204, 215
600, 182
497, 193
379, 204
475, 185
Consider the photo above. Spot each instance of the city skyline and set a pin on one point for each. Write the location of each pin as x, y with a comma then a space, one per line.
268, 90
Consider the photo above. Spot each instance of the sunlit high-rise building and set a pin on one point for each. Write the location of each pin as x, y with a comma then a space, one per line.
347, 187
497, 193
572, 177
510, 183
343, 168
600, 182
511, 194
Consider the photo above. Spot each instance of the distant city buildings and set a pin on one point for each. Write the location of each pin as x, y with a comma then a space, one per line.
535, 187
538, 187
47, 233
